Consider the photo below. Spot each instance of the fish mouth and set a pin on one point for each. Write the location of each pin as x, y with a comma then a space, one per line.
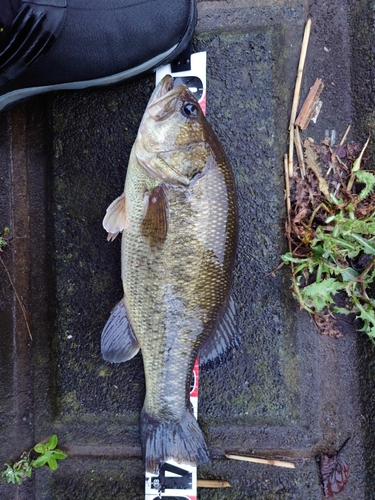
160, 106
165, 85
164, 91
164, 95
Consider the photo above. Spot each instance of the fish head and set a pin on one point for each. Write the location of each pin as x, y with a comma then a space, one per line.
172, 140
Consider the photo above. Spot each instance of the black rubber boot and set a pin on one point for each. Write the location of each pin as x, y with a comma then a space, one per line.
73, 44
8, 11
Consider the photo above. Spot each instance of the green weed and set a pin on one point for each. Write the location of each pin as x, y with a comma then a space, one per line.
332, 241
4, 238
23, 468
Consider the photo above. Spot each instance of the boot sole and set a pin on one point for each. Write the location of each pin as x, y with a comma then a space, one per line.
21, 94
164, 58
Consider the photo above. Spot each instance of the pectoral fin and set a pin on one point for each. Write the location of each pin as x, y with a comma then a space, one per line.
115, 218
155, 221
118, 340
226, 336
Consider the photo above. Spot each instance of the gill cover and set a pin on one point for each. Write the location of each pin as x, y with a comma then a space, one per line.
171, 144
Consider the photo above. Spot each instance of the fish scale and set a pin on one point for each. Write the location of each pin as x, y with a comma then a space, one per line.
178, 216
181, 260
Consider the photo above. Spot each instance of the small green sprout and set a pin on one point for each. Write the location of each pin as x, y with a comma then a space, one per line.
18, 471
4, 238
22, 469
49, 454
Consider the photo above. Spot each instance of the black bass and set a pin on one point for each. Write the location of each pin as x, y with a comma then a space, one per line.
178, 217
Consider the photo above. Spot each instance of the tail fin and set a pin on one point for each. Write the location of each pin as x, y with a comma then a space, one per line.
181, 441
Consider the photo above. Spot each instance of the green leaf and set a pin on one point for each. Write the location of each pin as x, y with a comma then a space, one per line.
349, 274
59, 455
3, 240
361, 226
52, 462
318, 295
371, 332
52, 443
334, 200
340, 242
40, 461
367, 246
9, 473
331, 218
341, 310
367, 314
40, 448
368, 179
318, 251
287, 257
357, 162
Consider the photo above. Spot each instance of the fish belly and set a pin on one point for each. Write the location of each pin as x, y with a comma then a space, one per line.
174, 294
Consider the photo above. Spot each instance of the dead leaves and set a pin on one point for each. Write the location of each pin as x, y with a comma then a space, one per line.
334, 472
311, 155
327, 324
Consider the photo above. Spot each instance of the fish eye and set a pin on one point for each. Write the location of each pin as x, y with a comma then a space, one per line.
190, 110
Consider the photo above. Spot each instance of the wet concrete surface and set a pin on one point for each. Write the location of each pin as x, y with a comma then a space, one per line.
286, 392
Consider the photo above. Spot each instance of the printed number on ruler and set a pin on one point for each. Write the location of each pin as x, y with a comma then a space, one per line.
176, 481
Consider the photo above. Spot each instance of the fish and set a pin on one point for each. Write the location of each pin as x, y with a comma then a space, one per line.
179, 221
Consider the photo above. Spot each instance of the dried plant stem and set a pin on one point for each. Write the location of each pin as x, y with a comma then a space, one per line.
276, 463
297, 91
287, 188
287, 200
212, 483
345, 135
18, 298
310, 106
299, 151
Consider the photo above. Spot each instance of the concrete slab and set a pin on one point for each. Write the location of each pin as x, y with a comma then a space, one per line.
287, 392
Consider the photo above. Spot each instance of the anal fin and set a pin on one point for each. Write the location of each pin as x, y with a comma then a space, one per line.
226, 336
118, 342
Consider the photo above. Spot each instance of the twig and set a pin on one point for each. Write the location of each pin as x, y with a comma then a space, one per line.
297, 90
212, 483
276, 463
18, 298
309, 107
274, 271
342, 446
287, 187
299, 151
345, 135
287, 200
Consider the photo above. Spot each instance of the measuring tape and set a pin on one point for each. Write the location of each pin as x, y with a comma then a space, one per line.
177, 481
